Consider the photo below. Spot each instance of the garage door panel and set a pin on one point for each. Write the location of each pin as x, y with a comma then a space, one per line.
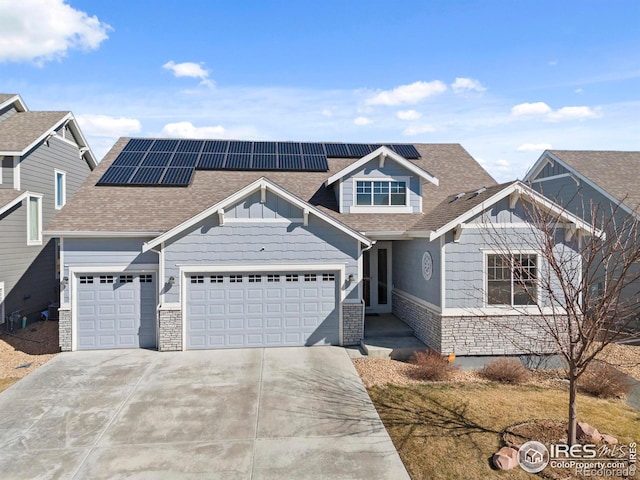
270, 309
117, 311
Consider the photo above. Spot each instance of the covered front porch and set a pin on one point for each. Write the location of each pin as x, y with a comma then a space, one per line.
386, 336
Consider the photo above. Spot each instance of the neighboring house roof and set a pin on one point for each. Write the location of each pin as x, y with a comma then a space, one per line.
23, 131
159, 209
461, 207
614, 173
9, 198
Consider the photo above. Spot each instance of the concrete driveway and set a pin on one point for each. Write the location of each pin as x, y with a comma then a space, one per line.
281, 413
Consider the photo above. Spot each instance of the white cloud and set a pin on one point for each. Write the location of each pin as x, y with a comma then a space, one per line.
189, 130
552, 63
106, 126
579, 91
42, 30
464, 85
534, 147
326, 112
408, 115
573, 113
537, 108
362, 121
190, 70
418, 129
407, 94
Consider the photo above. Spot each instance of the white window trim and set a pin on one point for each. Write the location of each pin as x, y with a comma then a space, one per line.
3, 294
2, 158
31, 242
485, 278
57, 172
406, 208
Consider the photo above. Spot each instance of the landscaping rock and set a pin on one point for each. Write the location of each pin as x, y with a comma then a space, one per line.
505, 459
609, 439
586, 431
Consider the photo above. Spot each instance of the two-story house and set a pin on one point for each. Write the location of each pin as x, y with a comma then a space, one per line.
43, 160
203, 244
603, 184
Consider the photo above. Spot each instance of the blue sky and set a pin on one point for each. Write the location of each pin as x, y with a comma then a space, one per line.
506, 79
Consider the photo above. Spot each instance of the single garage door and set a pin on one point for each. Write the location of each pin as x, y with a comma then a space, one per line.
116, 311
262, 309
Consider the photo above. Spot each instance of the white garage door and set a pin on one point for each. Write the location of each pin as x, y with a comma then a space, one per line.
262, 309
116, 311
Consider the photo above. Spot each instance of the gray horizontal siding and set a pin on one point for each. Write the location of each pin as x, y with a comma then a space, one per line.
90, 252
392, 171
7, 112
6, 164
249, 244
407, 269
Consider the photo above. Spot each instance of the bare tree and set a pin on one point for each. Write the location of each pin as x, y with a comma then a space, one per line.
585, 288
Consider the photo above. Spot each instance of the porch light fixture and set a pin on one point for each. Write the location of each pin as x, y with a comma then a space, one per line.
351, 277
64, 282
172, 280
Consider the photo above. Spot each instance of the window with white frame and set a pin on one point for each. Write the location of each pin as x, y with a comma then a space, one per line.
512, 279
60, 188
381, 193
34, 220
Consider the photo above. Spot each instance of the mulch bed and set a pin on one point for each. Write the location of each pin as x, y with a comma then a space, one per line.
24, 350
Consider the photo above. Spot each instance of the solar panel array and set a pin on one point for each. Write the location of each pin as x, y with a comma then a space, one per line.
171, 163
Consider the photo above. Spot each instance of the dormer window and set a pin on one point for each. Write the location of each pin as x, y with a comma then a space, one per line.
381, 193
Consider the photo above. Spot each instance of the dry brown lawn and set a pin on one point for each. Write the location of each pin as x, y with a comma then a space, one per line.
24, 350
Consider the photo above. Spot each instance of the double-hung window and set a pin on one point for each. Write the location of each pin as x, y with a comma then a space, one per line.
60, 189
34, 220
512, 279
381, 193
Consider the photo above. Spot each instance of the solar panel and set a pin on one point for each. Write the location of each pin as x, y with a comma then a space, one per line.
181, 159
358, 149
407, 151
238, 161
290, 162
240, 147
177, 177
156, 159
264, 161
128, 159
211, 161
215, 146
288, 148
116, 175
189, 146
164, 146
147, 176
338, 150
316, 163
312, 149
138, 145
264, 147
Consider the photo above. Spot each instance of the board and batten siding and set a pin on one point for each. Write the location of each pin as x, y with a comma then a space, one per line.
255, 243
390, 171
29, 271
102, 252
407, 269
273, 208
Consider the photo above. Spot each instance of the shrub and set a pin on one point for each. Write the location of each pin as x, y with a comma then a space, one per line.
431, 365
505, 370
602, 380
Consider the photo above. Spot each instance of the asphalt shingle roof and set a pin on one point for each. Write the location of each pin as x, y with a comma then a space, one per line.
8, 195
616, 172
20, 130
158, 209
6, 96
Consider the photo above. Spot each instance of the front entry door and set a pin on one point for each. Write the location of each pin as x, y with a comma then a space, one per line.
376, 270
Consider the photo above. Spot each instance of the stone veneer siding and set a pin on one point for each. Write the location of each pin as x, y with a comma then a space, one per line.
352, 323
170, 338
425, 323
474, 335
64, 329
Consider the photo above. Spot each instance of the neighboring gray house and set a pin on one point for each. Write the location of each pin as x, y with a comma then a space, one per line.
43, 160
586, 182
203, 244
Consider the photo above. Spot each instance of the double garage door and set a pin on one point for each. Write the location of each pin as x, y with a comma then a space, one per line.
116, 311
261, 309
